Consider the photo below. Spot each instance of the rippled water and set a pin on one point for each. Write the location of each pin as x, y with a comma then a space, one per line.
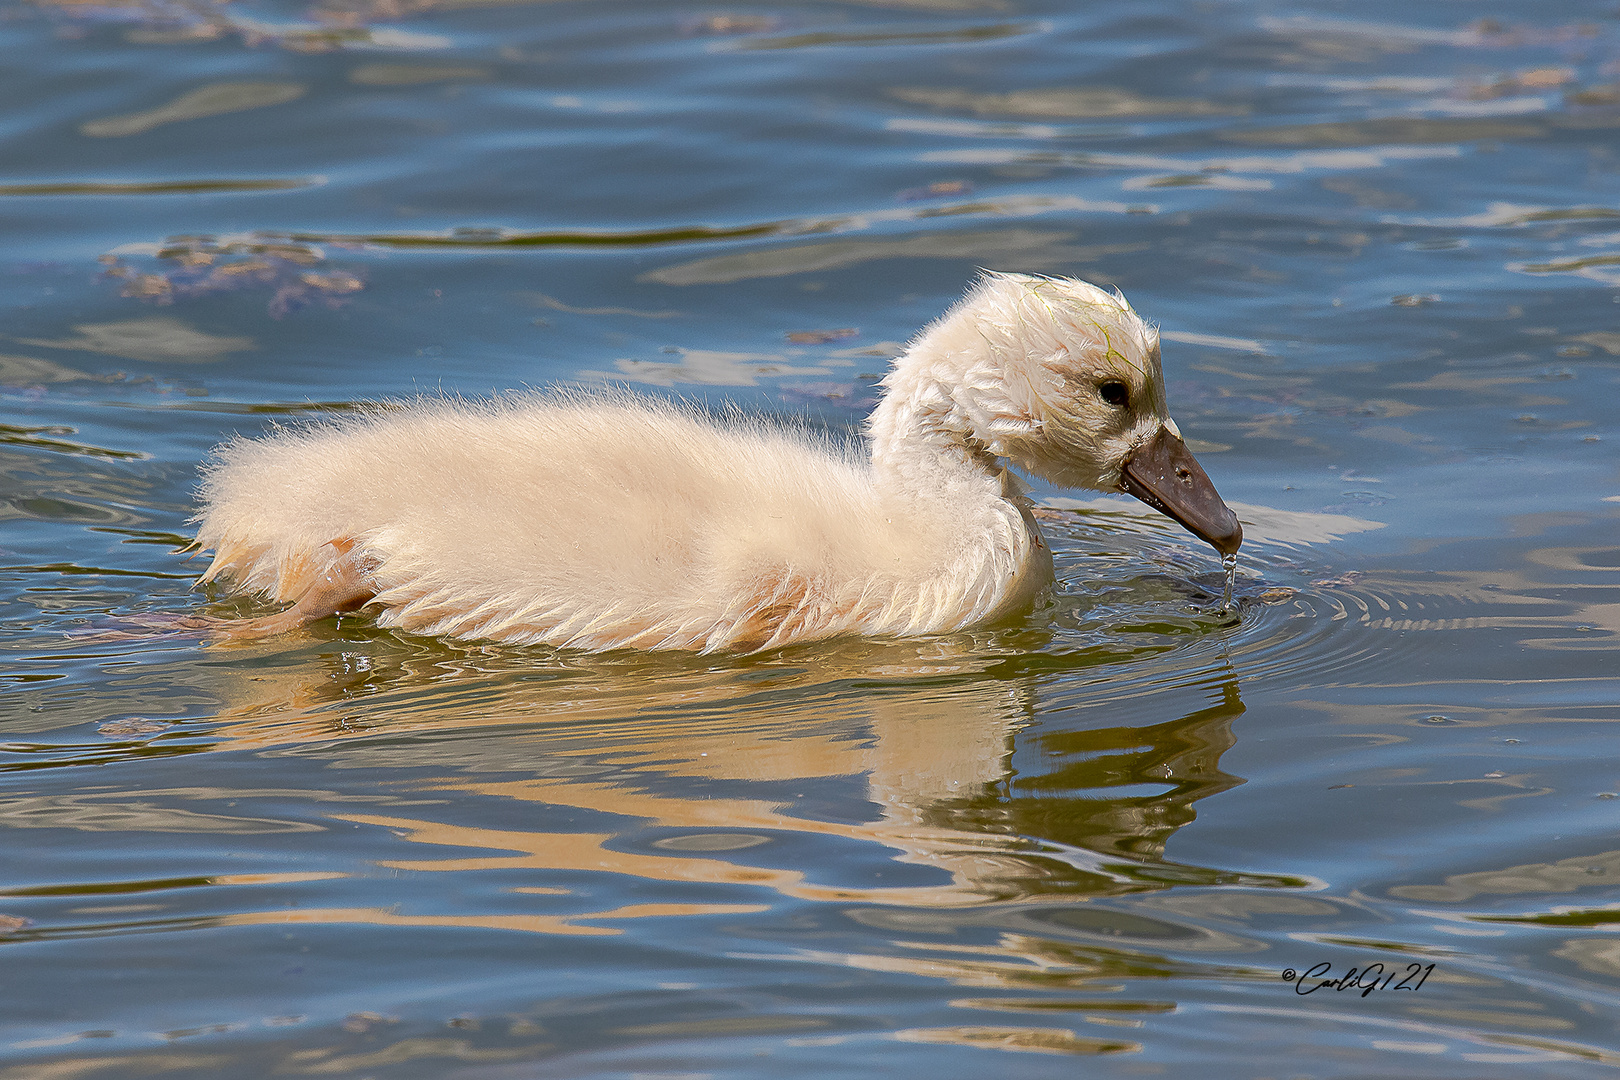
1383, 242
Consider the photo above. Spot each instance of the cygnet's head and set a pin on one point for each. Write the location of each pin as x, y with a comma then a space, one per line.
1063, 380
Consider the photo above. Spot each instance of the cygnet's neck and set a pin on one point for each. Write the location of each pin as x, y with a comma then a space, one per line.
954, 492
919, 432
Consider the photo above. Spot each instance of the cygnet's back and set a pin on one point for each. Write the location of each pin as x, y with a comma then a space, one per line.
595, 521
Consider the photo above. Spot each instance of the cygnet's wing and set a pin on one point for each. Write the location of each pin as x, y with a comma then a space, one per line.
595, 522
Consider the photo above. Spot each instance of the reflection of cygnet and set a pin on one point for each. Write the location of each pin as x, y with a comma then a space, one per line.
603, 521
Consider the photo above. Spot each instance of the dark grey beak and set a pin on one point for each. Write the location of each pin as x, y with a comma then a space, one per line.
1163, 473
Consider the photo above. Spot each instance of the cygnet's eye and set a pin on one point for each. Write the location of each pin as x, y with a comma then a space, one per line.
1115, 393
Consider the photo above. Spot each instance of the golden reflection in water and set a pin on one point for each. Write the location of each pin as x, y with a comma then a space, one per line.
534, 924
1039, 1040
1062, 103
929, 728
1563, 876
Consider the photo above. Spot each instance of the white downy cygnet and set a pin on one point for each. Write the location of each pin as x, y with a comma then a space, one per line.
608, 520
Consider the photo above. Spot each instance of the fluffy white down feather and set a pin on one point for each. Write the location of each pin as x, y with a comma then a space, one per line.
609, 520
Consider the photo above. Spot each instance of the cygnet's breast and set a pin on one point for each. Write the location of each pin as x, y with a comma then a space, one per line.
1034, 573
